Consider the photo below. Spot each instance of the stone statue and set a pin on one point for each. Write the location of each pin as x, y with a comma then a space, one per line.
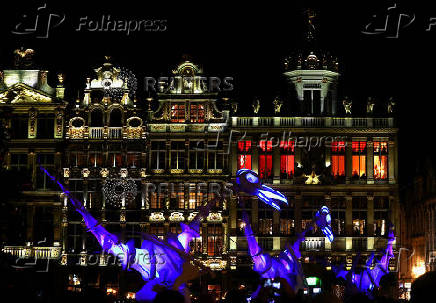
391, 105
234, 107
347, 105
256, 106
277, 105
61, 78
23, 57
370, 105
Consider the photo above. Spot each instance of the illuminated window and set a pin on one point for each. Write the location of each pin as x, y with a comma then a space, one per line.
359, 215
287, 158
95, 159
265, 216
157, 229
359, 223
214, 240
157, 200
215, 152
265, 160
359, 159
177, 199
175, 228
158, 152
244, 154
380, 160
196, 244
178, 113
287, 222
116, 159
381, 215
196, 197
197, 113
338, 209
338, 158
178, 154
133, 159
196, 154
78, 159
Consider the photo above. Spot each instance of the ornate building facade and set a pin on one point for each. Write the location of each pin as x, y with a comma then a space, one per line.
144, 168
419, 236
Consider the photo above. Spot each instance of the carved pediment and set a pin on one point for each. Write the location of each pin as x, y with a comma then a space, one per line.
22, 93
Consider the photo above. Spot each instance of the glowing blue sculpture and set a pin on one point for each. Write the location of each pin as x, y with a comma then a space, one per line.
369, 278
248, 182
160, 262
286, 265
324, 220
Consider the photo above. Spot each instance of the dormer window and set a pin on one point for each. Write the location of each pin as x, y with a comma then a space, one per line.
197, 113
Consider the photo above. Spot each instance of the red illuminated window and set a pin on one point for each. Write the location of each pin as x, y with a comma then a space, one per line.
359, 159
338, 158
380, 160
178, 113
287, 158
265, 159
244, 154
214, 240
197, 113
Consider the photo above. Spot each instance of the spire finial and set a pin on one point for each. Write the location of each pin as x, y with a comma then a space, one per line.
310, 15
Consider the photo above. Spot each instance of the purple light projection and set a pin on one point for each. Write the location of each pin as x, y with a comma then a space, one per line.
369, 278
286, 265
160, 262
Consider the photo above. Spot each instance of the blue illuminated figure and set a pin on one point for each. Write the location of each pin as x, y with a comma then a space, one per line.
368, 279
323, 220
248, 182
160, 262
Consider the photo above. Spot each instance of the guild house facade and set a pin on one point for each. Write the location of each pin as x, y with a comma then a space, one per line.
112, 149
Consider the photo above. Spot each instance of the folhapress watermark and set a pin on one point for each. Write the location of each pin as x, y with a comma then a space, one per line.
42, 21
393, 20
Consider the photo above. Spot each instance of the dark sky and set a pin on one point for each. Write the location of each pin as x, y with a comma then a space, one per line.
249, 44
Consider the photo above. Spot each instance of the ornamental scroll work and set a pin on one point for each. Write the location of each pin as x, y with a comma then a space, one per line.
32, 123
59, 128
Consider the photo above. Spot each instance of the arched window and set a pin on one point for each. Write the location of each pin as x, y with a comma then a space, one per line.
115, 118
96, 118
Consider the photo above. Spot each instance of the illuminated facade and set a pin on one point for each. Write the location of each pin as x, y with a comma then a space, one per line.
420, 234
193, 140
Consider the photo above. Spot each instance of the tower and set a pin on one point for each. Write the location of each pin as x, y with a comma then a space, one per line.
314, 75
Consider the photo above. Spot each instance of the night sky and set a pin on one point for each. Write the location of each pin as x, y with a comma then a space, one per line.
249, 43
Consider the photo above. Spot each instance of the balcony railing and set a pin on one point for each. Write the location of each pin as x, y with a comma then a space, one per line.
96, 132
33, 252
313, 122
127, 132
115, 132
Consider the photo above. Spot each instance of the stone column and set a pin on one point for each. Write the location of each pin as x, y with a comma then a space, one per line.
234, 158
276, 165
348, 161
370, 207
255, 156
297, 212
370, 161
255, 214
392, 161
349, 215
29, 222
